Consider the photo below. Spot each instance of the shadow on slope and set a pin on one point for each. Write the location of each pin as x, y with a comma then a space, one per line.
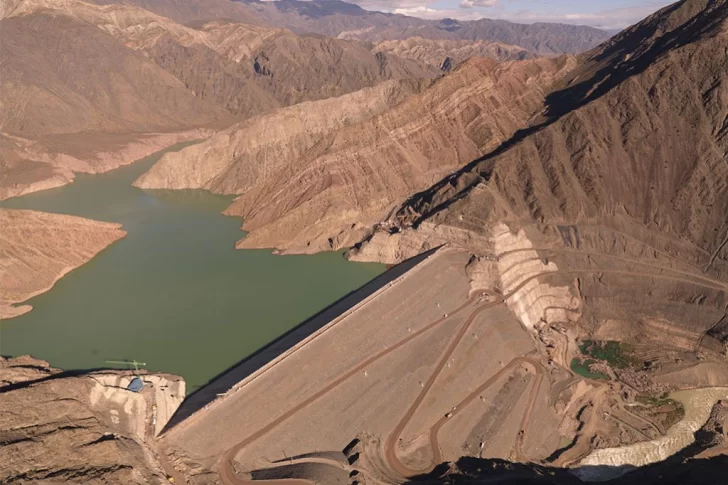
682, 468
472, 471
229, 378
603, 69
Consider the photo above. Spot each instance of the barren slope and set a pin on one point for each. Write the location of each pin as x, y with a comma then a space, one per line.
186, 11
53, 84
445, 54
264, 145
37, 249
89, 88
278, 69
620, 192
327, 195
638, 131
342, 19
80, 427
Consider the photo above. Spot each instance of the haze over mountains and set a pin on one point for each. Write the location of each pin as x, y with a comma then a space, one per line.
337, 18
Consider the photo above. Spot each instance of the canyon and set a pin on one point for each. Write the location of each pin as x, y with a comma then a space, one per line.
550, 203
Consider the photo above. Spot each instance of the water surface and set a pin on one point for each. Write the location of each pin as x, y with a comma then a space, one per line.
174, 293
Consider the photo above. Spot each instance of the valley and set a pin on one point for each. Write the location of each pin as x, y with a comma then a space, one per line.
344, 246
173, 287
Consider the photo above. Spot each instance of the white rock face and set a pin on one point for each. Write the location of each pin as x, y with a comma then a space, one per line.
527, 294
698, 404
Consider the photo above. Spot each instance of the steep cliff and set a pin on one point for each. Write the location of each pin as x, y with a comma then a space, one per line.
327, 194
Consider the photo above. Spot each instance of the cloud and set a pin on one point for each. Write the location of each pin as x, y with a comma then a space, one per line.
391, 5
478, 3
615, 18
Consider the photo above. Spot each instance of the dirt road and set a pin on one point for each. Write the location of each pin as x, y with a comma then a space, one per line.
229, 476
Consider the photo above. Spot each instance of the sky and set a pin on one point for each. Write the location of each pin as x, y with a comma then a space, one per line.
606, 14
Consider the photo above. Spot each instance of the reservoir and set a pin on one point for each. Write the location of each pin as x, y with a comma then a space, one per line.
174, 293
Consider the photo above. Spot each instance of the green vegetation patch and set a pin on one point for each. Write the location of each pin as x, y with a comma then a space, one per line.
654, 401
662, 410
582, 368
614, 353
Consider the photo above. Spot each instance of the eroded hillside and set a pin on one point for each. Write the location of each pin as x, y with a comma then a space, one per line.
139, 82
37, 249
79, 427
328, 192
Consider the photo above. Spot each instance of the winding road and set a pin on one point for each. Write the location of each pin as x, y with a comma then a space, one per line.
229, 475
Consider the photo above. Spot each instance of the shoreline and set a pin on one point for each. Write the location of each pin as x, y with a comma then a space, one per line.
100, 161
25, 305
107, 234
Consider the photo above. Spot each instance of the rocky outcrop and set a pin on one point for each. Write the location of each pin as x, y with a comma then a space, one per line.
327, 192
263, 146
338, 191
446, 54
80, 427
277, 69
656, 116
37, 249
30, 165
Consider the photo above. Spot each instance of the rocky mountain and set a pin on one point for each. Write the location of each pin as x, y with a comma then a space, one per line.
637, 132
337, 18
37, 249
81, 106
446, 54
617, 197
282, 69
188, 11
81, 427
234, 160
321, 184
138, 74
74, 87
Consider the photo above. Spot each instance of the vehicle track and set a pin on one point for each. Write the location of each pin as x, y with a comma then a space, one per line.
389, 446
228, 474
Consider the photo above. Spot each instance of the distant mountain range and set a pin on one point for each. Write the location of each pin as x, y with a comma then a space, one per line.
346, 20
335, 18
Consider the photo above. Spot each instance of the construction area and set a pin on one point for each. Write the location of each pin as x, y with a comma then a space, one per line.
488, 357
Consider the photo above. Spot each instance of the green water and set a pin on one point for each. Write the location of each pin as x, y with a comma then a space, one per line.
174, 293
582, 368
